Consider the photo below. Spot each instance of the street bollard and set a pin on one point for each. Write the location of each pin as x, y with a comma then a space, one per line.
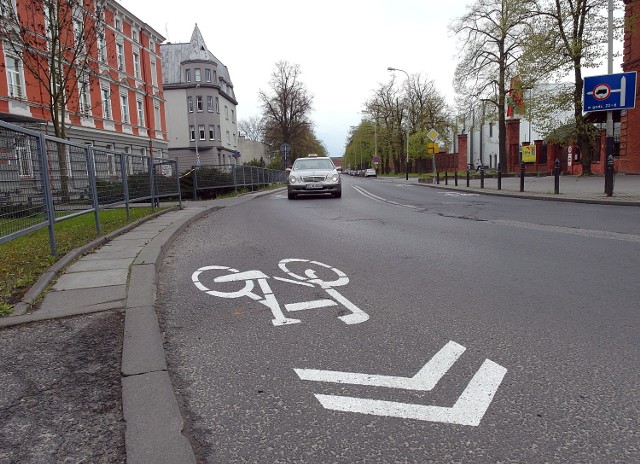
499, 176
522, 177
556, 175
608, 178
481, 177
438, 177
446, 178
468, 169
455, 177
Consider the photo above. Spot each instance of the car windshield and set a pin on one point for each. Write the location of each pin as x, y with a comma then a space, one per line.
313, 164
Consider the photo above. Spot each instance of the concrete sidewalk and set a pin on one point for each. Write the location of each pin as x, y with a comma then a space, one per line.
89, 360
587, 189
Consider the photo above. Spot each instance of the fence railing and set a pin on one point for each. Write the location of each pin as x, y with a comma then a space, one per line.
232, 176
44, 180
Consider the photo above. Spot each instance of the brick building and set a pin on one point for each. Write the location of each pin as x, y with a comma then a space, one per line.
629, 161
117, 104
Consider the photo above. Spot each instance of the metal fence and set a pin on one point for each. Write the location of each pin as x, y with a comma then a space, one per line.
44, 180
232, 176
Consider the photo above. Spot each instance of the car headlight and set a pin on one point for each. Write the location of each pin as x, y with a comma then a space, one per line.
334, 178
293, 179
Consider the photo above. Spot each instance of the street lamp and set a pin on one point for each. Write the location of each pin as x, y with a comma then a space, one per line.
409, 90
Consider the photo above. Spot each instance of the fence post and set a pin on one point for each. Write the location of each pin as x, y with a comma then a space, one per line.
194, 171
522, 176
177, 171
151, 182
91, 168
48, 198
125, 183
499, 176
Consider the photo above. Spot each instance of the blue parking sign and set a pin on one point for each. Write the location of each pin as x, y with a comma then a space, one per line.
610, 92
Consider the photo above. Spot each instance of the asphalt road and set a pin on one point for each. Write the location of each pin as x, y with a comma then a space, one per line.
519, 317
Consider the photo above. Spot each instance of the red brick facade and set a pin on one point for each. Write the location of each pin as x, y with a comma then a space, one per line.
629, 161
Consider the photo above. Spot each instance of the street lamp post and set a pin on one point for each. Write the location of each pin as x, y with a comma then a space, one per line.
409, 90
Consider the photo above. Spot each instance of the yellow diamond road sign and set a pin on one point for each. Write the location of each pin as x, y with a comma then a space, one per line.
433, 135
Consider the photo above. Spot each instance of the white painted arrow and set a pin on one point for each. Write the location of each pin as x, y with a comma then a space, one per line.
424, 380
467, 410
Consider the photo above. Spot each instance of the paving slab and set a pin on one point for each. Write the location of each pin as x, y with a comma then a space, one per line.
104, 297
90, 264
91, 279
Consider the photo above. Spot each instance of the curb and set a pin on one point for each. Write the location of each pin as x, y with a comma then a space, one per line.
531, 196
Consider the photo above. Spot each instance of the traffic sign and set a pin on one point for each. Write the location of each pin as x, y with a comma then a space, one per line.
236, 154
610, 92
285, 149
432, 135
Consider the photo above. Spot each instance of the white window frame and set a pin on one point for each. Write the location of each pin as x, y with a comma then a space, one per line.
102, 48
218, 105
136, 64
154, 73
15, 77
187, 75
25, 159
5, 5
228, 138
210, 103
226, 112
84, 98
190, 104
199, 104
219, 134
212, 132
124, 108
192, 133
207, 74
140, 109
202, 135
156, 117
120, 56
106, 103
197, 75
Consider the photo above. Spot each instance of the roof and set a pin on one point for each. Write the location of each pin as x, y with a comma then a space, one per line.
173, 55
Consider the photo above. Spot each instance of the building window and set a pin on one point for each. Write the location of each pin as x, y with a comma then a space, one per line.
209, 103
136, 65
190, 104
233, 116
219, 134
154, 73
143, 151
102, 48
156, 117
120, 56
196, 74
218, 105
14, 77
78, 27
124, 108
228, 138
187, 75
201, 133
106, 103
84, 105
140, 109
212, 133
117, 23
235, 142
490, 129
134, 35
199, 106
226, 112
207, 75
192, 133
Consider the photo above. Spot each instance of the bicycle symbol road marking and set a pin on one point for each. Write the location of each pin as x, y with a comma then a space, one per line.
308, 278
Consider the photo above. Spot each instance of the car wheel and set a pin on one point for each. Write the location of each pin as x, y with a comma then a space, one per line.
338, 194
291, 196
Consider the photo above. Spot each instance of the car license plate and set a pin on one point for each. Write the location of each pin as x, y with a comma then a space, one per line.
316, 185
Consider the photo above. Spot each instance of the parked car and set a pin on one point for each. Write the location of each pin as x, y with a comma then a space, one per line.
370, 173
314, 175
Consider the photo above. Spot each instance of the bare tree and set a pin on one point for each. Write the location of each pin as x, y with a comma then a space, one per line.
252, 128
492, 35
287, 108
569, 35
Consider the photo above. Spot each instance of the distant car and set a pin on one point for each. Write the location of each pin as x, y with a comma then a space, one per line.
314, 175
370, 173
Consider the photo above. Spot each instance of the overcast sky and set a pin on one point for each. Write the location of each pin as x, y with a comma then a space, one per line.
343, 47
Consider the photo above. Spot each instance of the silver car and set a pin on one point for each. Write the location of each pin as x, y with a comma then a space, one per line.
314, 175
